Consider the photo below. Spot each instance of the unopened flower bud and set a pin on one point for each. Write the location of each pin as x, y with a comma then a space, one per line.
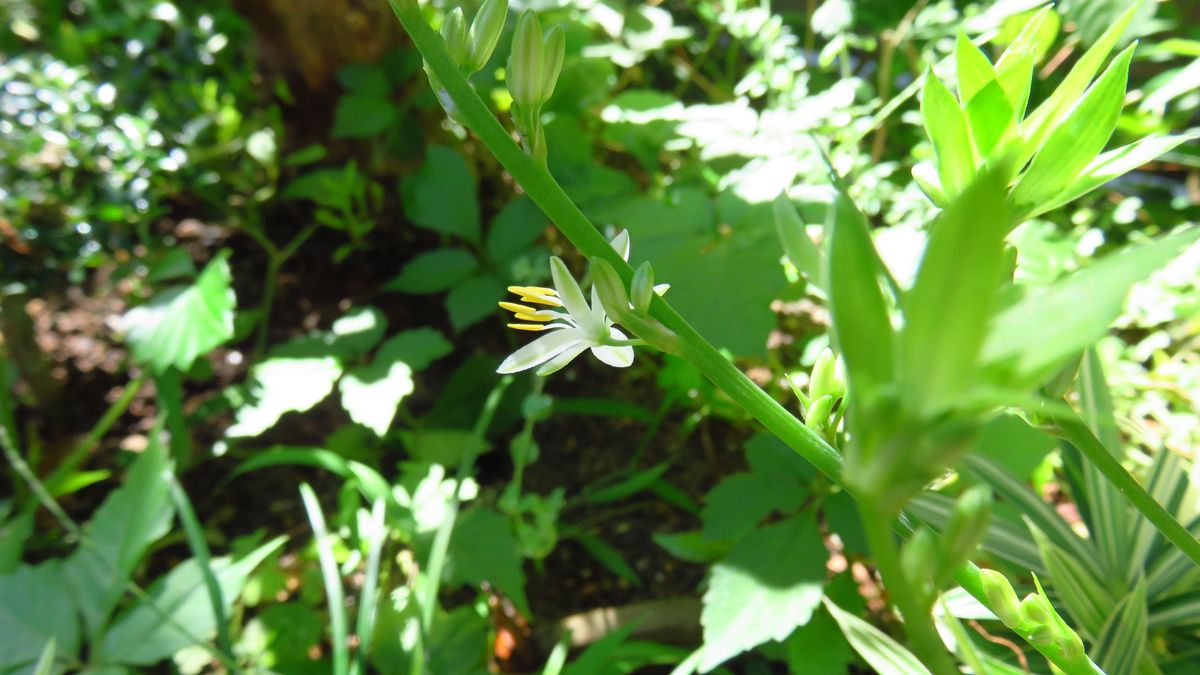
1036, 610
1002, 599
554, 50
967, 525
611, 289
817, 416
919, 560
485, 33
825, 379
454, 33
525, 62
642, 289
797, 245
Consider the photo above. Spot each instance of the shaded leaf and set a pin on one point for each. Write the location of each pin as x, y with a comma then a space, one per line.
434, 271
483, 548
35, 610
441, 196
883, 653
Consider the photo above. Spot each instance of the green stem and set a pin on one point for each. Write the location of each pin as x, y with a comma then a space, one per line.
101, 428
549, 196
203, 556
917, 619
1076, 432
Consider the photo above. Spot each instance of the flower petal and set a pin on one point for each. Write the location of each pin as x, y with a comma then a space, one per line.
540, 350
598, 314
620, 242
570, 294
617, 357
555, 364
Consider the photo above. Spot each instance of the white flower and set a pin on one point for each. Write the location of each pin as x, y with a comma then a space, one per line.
572, 325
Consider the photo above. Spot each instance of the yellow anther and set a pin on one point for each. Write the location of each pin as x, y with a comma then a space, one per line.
542, 317
540, 300
532, 290
517, 309
528, 326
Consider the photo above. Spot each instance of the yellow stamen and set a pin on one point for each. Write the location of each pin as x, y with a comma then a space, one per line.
517, 309
528, 326
543, 318
532, 290
539, 300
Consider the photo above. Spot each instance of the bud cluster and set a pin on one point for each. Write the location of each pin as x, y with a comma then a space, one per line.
633, 315
929, 561
471, 48
1034, 618
533, 67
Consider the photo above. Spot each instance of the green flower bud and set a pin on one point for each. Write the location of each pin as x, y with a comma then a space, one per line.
967, 525
485, 33
825, 379
643, 288
525, 62
554, 50
454, 32
1002, 599
1036, 610
919, 560
611, 289
817, 417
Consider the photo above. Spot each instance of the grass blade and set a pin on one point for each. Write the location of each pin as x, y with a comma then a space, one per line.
881, 652
1111, 518
367, 601
200, 551
333, 582
1167, 484
1119, 645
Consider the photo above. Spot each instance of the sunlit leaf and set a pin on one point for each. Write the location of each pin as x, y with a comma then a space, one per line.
883, 653
946, 124
372, 393
1120, 643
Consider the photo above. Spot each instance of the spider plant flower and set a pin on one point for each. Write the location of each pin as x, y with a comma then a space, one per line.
572, 326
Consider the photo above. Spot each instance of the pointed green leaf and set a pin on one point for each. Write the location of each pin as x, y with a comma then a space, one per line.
1178, 610
35, 611
1046, 117
946, 125
946, 312
1167, 483
973, 68
991, 117
798, 246
881, 652
861, 326
1031, 338
1014, 68
1077, 139
1171, 568
1120, 643
1111, 517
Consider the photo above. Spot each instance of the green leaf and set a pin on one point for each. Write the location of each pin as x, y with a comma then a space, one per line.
991, 117
434, 271
819, 648
483, 548
441, 195
1167, 484
861, 327
768, 585
600, 654
473, 301
606, 554
362, 116
1077, 139
1079, 589
1014, 69
35, 610
946, 125
1047, 115
132, 518
1009, 441
281, 385
880, 651
368, 480
518, 225
973, 68
627, 487
1003, 539
372, 393
182, 324
1111, 518
142, 637
798, 246
358, 330
1034, 336
1120, 643
692, 546
947, 310
1116, 163
364, 79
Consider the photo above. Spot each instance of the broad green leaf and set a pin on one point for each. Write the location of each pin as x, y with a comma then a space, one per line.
991, 117
14, 532
1114, 164
434, 271
1077, 139
132, 518
947, 127
1111, 519
518, 225
881, 652
1046, 117
1014, 68
598, 658
372, 393
861, 327
473, 300
819, 648
1008, 440
973, 68
441, 195
143, 637
798, 246
1042, 515
359, 330
1080, 590
768, 585
483, 548
739, 502
1034, 336
606, 554
947, 310
35, 610
182, 324
281, 385
1119, 644
362, 116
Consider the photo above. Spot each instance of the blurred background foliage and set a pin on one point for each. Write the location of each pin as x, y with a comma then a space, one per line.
248, 223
